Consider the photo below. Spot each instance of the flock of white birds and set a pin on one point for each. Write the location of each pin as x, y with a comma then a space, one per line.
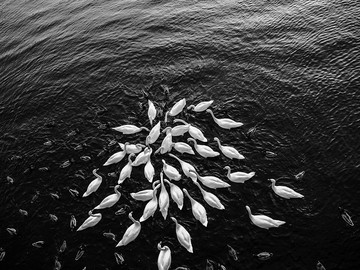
139, 154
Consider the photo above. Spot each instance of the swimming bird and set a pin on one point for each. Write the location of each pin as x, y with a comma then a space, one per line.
182, 148
210, 198
203, 150
149, 170
176, 194
94, 184
226, 123
200, 107
153, 134
132, 148
167, 142
151, 111
263, 221
211, 181
164, 258
129, 129
131, 233
238, 177
186, 167
143, 157
229, 151
90, 221
179, 130
163, 198
126, 170
117, 157
285, 192
110, 200
194, 132
198, 210
144, 195
151, 206
171, 172
176, 109
183, 236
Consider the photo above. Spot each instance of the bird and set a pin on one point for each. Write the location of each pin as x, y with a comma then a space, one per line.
171, 172
179, 130
126, 170
167, 141
176, 109
226, 123
153, 134
144, 195
117, 157
186, 167
198, 210
182, 148
238, 177
193, 131
200, 107
91, 221
151, 206
203, 150
229, 151
94, 184
132, 148
176, 194
263, 221
131, 233
183, 236
164, 258
211, 181
143, 157
151, 111
285, 192
163, 198
210, 198
110, 200
149, 171
129, 129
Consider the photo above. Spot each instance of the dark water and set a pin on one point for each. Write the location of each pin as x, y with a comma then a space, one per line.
71, 70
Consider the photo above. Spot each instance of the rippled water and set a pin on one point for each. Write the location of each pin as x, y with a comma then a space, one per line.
71, 70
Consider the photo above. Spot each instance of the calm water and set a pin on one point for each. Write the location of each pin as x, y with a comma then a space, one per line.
71, 70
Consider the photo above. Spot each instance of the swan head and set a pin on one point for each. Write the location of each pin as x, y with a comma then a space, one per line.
216, 139
227, 168
248, 209
209, 111
191, 140
173, 219
272, 181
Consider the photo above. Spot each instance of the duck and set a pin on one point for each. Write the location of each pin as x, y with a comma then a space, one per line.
198, 210
176, 109
229, 151
163, 198
176, 194
171, 172
285, 192
149, 171
126, 170
238, 177
211, 181
263, 221
131, 233
143, 157
225, 123
151, 112
130, 129
182, 148
132, 148
186, 167
203, 150
117, 157
153, 134
210, 198
91, 221
94, 184
201, 107
151, 206
110, 200
183, 236
164, 258
193, 131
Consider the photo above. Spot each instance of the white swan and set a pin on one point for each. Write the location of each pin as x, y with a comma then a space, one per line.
179, 130
132, 148
193, 131
151, 111
126, 170
149, 171
110, 200
164, 258
198, 210
229, 151
203, 150
171, 172
226, 123
151, 206
143, 157
129, 129
182, 148
211, 181
183, 236
131, 233
210, 198
176, 194
153, 134
263, 221
186, 168
285, 192
163, 198
144, 195
117, 157
176, 109
94, 184
90, 221
200, 107
238, 177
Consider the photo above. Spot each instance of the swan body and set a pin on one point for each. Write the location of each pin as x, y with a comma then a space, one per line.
153, 134
183, 236
285, 192
178, 107
198, 210
179, 130
151, 111
91, 221
229, 151
126, 170
149, 171
131, 233
186, 168
263, 221
176, 194
143, 157
226, 123
94, 184
238, 177
171, 172
204, 150
132, 148
110, 200
163, 198
167, 142
143, 195
151, 206
193, 131
211, 181
201, 107
164, 258
210, 198
117, 157
182, 148
129, 129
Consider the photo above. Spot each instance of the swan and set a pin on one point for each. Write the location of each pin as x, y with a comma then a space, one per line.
171, 172
238, 177
182, 148
90, 221
176, 109
200, 107
143, 157
117, 157
151, 206
229, 151
211, 181
203, 150
131, 233
193, 131
186, 167
176, 194
167, 142
163, 198
164, 258
94, 184
132, 148
210, 198
198, 210
110, 200
179, 130
151, 111
183, 236
285, 192
153, 134
226, 123
149, 171
126, 170
263, 221
129, 129
144, 195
